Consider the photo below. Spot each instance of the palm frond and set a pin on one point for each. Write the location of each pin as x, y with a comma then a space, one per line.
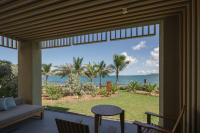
63, 70
46, 69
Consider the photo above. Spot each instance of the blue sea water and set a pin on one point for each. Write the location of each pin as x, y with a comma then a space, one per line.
124, 80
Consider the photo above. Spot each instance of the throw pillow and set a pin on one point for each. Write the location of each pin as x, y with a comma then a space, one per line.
9, 103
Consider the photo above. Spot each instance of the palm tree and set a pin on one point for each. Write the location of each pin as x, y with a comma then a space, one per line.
46, 71
63, 70
103, 70
77, 64
120, 63
90, 71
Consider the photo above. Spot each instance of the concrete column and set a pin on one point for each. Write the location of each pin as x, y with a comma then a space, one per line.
170, 69
29, 71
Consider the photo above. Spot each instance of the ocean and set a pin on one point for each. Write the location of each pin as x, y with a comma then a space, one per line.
123, 80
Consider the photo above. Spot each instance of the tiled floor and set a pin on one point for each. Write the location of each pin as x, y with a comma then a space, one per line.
48, 125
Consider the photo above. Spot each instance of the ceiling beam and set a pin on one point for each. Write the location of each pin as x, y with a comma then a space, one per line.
69, 19
107, 27
14, 4
66, 7
96, 23
3, 2
102, 29
27, 8
50, 19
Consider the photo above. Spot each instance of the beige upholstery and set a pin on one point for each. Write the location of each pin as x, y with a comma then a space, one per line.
19, 101
20, 112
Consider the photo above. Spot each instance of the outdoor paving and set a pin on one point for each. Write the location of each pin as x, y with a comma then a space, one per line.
48, 125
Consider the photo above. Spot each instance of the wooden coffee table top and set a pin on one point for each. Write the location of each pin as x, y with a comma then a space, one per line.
106, 110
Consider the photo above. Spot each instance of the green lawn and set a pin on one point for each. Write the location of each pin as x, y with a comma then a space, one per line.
134, 105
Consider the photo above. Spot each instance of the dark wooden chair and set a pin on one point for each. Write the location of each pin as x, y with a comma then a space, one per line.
152, 128
71, 127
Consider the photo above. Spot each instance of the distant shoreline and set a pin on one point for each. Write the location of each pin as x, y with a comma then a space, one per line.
139, 74
123, 79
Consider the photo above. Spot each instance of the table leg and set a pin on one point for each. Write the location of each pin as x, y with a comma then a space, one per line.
122, 121
96, 123
100, 118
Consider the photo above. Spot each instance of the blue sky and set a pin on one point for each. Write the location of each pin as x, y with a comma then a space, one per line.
143, 53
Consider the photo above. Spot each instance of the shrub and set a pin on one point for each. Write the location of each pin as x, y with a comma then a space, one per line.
132, 86
89, 88
122, 88
114, 89
73, 85
151, 87
8, 80
53, 92
103, 92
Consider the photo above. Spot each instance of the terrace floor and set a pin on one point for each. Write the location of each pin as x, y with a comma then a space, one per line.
48, 125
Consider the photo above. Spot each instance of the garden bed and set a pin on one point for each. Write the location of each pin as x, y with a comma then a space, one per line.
147, 93
78, 98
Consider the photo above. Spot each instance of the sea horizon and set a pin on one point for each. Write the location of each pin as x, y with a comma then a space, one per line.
123, 79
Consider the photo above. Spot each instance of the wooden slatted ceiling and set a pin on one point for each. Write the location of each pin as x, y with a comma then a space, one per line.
49, 19
116, 34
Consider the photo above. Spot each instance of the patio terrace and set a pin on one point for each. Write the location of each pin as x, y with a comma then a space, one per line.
48, 125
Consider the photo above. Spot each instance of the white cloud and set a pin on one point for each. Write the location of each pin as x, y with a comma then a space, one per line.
141, 71
131, 59
154, 59
140, 45
155, 53
144, 72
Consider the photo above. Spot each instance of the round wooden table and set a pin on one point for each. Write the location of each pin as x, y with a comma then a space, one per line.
107, 110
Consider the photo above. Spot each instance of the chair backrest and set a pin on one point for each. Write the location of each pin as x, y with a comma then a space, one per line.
179, 119
71, 127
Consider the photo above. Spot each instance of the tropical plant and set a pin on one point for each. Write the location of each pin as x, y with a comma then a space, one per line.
77, 64
8, 80
46, 71
103, 70
103, 92
5, 69
114, 89
54, 92
150, 87
73, 85
14, 69
132, 86
90, 71
89, 88
63, 70
119, 63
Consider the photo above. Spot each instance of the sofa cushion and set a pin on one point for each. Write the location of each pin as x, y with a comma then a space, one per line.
19, 101
9, 103
18, 112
